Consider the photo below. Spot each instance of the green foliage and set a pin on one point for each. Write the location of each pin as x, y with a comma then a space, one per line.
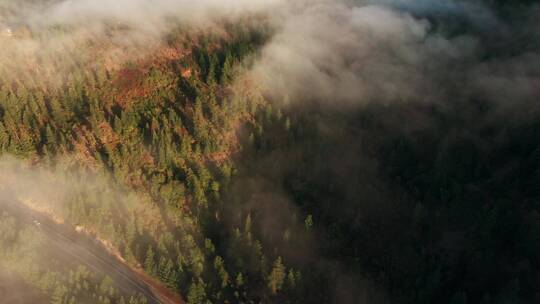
197, 293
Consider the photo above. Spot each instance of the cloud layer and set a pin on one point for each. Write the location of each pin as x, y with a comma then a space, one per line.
391, 51
351, 51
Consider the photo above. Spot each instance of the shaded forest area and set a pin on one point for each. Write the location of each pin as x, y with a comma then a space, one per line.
443, 209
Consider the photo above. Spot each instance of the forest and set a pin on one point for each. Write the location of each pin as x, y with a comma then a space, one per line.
332, 152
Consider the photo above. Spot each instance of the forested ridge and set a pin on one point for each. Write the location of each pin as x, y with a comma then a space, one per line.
183, 164
162, 127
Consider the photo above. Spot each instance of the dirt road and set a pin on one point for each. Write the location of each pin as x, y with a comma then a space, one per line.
82, 249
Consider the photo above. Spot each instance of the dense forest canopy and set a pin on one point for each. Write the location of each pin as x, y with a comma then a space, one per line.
378, 151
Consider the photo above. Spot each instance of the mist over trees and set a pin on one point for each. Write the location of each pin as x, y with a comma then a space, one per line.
272, 152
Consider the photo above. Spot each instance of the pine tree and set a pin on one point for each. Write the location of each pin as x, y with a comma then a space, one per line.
197, 293
220, 268
277, 276
239, 280
149, 265
4, 137
291, 280
226, 71
58, 294
309, 222
50, 135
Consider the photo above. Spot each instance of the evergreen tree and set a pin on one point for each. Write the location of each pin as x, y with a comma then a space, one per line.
277, 276
149, 263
